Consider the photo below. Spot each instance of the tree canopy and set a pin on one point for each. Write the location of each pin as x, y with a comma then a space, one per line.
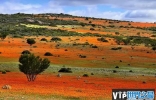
31, 41
32, 65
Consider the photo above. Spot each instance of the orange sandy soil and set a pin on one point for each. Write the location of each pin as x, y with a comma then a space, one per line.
69, 85
11, 49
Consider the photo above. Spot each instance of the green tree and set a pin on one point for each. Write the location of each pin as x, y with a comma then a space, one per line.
32, 65
31, 41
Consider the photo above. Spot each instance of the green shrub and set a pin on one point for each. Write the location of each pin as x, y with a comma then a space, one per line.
65, 70
26, 52
154, 48
131, 71
117, 67
56, 39
94, 46
118, 48
48, 54
43, 39
82, 56
92, 29
102, 39
114, 71
85, 75
31, 41
3, 72
117, 33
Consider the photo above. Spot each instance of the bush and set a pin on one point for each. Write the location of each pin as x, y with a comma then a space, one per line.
117, 67
94, 46
117, 33
26, 52
118, 48
48, 54
102, 39
65, 70
92, 73
85, 75
114, 71
82, 56
43, 39
31, 41
3, 72
56, 39
92, 29
154, 48
131, 71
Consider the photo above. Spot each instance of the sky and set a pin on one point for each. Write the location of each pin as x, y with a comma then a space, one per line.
131, 10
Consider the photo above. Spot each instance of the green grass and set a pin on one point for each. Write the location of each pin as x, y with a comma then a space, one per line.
13, 67
34, 26
10, 95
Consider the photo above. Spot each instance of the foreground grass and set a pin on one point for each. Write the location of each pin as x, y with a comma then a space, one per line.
121, 71
7, 95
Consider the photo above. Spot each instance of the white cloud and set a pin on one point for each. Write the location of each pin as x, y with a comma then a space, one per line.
92, 11
15, 7
135, 10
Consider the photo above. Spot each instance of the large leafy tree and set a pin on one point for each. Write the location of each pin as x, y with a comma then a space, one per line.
32, 65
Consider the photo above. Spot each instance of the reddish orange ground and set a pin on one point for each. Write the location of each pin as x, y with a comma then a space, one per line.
11, 49
68, 85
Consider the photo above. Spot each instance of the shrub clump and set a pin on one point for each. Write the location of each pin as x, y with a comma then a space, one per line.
102, 39
3, 72
114, 71
25, 52
117, 67
31, 41
85, 75
131, 71
92, 29
94, 46
48, 54
154, 48
82, 56
65, 70
56, 39
118, 48
43, 39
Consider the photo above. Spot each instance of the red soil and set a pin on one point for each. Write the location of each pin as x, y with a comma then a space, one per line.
69, 85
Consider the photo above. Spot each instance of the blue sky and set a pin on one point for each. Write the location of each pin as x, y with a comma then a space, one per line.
133, 10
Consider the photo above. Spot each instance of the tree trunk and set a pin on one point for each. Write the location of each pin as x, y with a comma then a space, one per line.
31, 77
